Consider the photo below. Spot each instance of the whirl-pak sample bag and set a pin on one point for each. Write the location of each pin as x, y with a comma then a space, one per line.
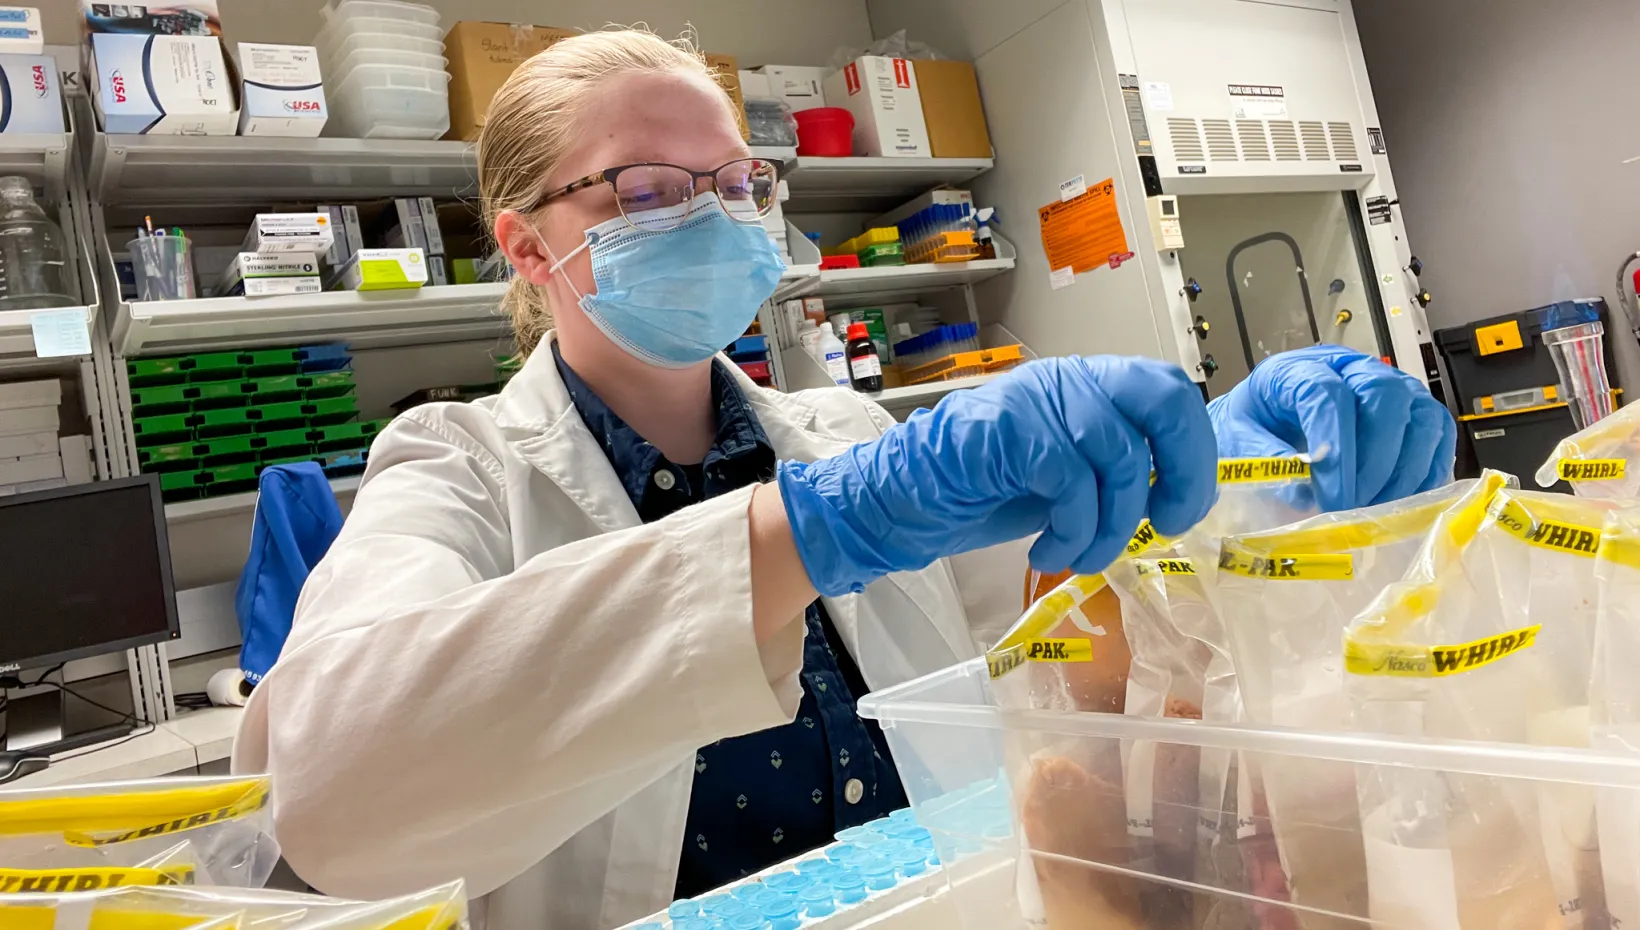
1602, 460
1615, 707
1490, 637
1287, 595
1080, 800
181, 908
86, 837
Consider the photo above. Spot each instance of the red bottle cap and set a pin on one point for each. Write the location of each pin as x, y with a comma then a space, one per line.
858, 331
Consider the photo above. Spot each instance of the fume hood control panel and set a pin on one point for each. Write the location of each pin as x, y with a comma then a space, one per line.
1164, 223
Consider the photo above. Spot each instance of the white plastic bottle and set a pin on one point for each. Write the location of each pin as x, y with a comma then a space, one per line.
808, 336
832, 356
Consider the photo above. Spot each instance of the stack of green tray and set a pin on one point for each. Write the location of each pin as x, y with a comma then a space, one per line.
208, 424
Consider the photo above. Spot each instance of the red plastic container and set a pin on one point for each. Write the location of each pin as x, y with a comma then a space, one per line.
758, 371
825, 131
835, 262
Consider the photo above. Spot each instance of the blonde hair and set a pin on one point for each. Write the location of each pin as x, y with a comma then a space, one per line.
532, 123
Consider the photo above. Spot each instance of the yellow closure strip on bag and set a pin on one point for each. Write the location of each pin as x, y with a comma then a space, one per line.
1515, 517
1145, 537
122, 816
1620, 541
1287, 567
1260, 471
1165, 566
1048, 611
145, 920
1344, 535
1059, 650
1406, 661
58, 881
1593, 469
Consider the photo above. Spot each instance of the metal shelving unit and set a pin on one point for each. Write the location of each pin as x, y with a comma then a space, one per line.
424, 316
872, 185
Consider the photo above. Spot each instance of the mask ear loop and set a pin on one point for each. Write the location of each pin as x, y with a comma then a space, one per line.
558, 263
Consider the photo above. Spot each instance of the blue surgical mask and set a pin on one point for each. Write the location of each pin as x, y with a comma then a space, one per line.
675, 298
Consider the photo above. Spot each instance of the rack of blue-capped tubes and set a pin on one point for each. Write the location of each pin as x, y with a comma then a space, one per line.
209, 423
866, 862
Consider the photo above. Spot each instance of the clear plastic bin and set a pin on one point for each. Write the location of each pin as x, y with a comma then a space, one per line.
337, 70
379, 9
1051, 791
379, 42
338, 32
380, 102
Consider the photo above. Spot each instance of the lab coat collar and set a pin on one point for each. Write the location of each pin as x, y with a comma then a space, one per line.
543, 427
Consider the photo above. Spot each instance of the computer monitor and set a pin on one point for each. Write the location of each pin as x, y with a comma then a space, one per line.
84, 570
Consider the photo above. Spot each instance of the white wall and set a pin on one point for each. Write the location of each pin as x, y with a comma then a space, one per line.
794, 32
1508, 124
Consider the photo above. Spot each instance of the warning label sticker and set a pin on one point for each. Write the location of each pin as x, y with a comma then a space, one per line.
1085, 231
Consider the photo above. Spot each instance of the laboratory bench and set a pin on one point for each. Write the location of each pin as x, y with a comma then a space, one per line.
185, 745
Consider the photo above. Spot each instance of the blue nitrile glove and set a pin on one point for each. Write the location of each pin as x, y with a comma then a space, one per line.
1377, 432
1061, 446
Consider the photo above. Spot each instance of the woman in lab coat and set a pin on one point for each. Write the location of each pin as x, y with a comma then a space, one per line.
552, 611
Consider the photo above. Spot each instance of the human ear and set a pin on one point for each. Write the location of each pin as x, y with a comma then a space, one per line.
524, 247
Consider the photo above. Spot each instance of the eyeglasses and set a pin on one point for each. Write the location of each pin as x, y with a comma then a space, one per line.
656, 196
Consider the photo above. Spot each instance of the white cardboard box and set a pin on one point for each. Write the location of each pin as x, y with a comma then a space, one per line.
282, 93
20, 31
882, 95
44, 393
76, 452
289, 232
12, 447
29, 420
163, 84
31, 468
799, 86
35, 100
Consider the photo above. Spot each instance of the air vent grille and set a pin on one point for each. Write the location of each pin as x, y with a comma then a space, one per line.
1254, 145
1284, 138
1315, 141
1187, 142
1343, 141
1221, 142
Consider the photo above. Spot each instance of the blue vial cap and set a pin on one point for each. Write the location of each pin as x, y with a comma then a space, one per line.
849, 888
683, 908
786, 882
813, 866
714, 905
648, 926
903, 815
841, 854
911, 861
749, 920
859, 836
817, 900
779, 908
875, 867
748, 890
693, 923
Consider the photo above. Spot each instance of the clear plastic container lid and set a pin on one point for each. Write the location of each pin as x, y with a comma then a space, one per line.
379, 42
338, 69
338, 31
379, 9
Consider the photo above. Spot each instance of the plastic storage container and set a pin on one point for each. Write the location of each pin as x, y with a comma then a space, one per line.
379, 42
33, 269
1041, 797
387, 102
337, 32
825, 131
338, 71
379, 9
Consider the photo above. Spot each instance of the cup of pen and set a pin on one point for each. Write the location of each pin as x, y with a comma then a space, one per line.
164, 266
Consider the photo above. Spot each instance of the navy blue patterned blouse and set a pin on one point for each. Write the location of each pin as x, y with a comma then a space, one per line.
765, 797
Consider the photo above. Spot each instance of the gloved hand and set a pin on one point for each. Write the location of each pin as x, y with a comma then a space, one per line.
1060, 446
1377, 433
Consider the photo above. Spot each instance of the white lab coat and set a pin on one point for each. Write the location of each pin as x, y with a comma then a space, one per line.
498, 672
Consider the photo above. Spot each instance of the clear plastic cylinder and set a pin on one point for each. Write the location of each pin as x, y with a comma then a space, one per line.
1580, 359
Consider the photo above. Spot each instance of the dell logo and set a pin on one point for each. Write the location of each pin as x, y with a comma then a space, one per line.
10, 668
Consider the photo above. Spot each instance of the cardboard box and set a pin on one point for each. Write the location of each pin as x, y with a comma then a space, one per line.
12, 447
20, 32
952, 109
882, 95
170, 17
408, 231
481, 58
798, 86
339, 251
382, 270
281, 91
728, 75
76, 451
290, 232
262, 274
354, 229
29, 420
436, 275
31, 468
163, 85
429, 225
43, 393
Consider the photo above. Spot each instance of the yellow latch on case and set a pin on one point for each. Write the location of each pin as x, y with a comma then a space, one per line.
1499, 337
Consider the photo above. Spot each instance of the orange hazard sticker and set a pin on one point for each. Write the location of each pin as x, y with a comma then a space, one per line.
1085, 231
